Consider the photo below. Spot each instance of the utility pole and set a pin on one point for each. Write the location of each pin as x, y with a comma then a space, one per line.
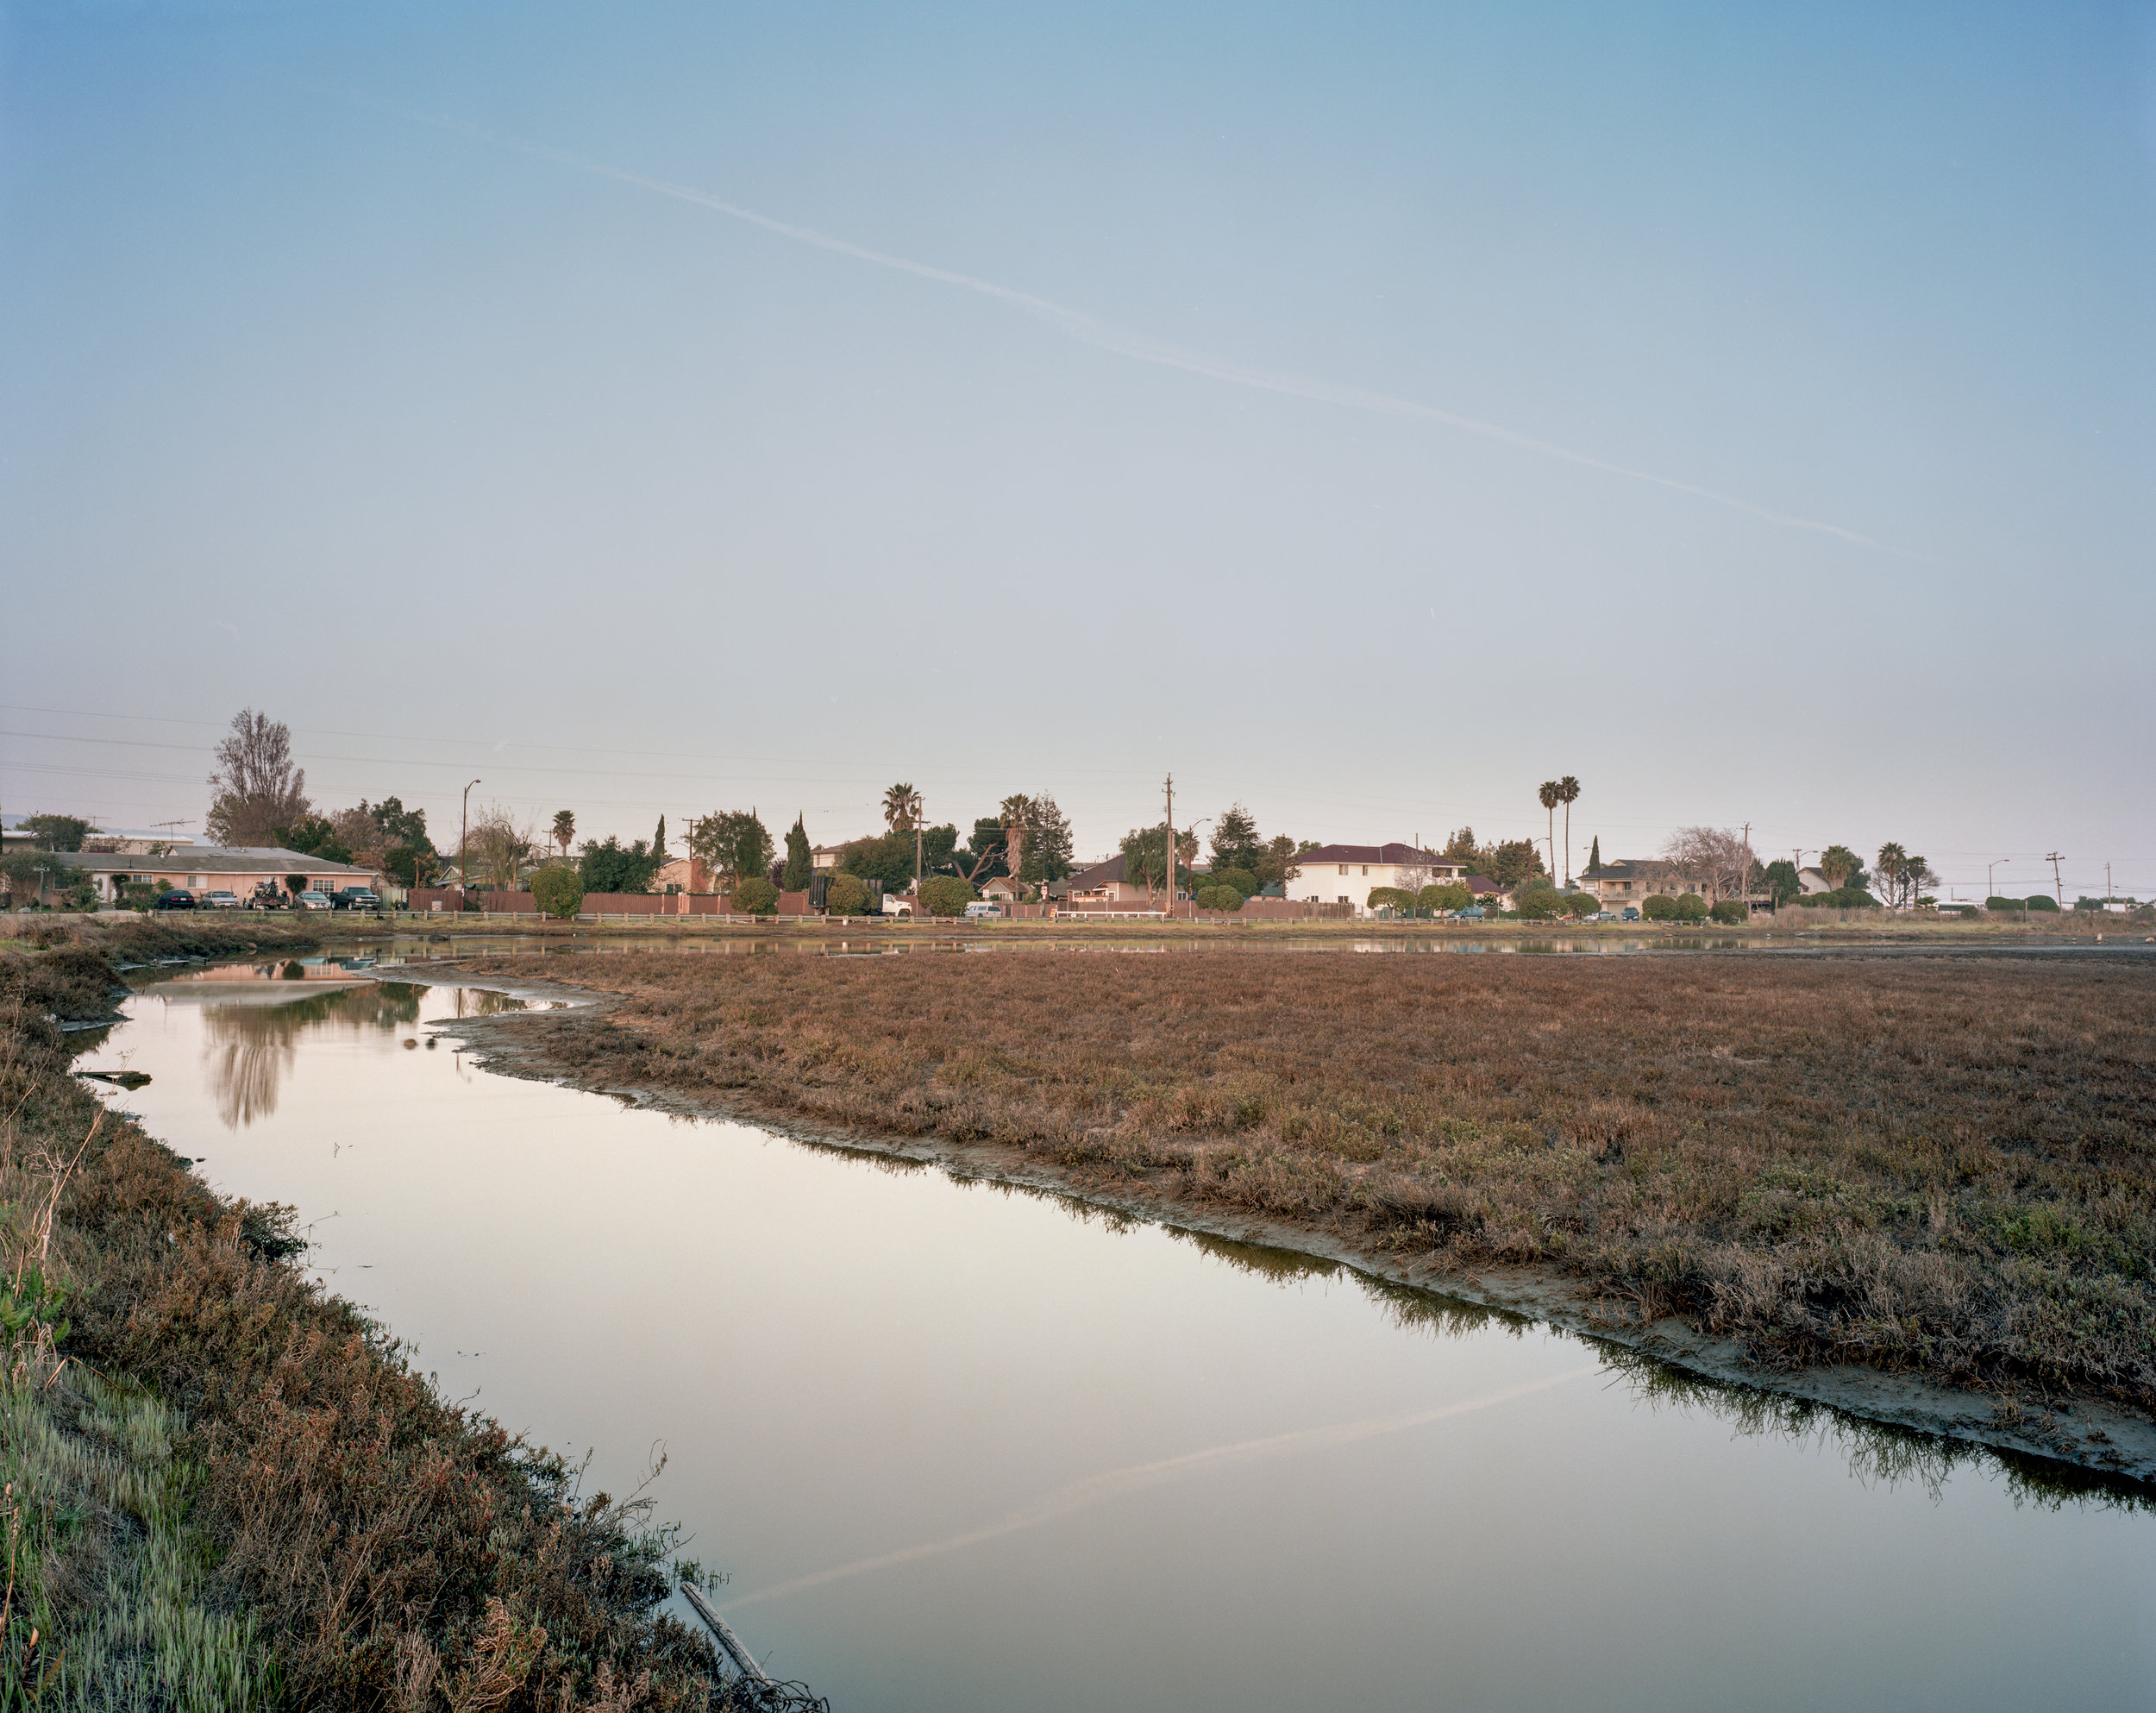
2107, 894
2059, 891
1744, 881
920, 820
1990, 869
1171, 845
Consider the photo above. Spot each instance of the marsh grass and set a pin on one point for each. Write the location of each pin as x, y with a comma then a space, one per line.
1941, 1166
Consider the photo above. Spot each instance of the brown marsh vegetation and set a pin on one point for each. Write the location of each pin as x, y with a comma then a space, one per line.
1939, 1165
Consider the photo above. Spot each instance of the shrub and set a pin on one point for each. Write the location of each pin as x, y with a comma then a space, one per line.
1996, 902
1391, 898
1241, 880
847, 895
1582, 903
558, 892
1660, 908
1688, 907
2040, 900
1451, 896
1731, 910
946, 895
1220, 898
1539, 904
756, 896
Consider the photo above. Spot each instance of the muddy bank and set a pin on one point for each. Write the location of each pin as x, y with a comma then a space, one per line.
2086, 1432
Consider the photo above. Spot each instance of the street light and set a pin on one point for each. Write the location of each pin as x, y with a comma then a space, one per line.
464, 833
1989, 890
1192, 831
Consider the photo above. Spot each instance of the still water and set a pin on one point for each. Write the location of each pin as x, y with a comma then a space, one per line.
959, 1446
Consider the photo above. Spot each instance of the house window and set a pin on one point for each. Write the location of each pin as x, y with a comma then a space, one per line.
1343, 867
1366, 870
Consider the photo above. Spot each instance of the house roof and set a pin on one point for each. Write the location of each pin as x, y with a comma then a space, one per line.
1482, 886
1397, 854
1635, 869
218, 860
1100, 873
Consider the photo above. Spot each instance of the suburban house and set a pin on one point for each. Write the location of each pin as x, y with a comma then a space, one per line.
826, 856
1810, 882
1002, 889
1628, 884
1344, 873
683, 874
212, 867
1103, 883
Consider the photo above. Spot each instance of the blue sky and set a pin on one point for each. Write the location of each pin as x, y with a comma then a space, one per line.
330, 385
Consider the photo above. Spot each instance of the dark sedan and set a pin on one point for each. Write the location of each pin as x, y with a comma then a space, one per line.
177, 898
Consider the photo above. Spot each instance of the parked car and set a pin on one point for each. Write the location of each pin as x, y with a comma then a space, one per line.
177, 898
1631, 914
1474, 913
355, 898
313, 901
218, 900
984, 910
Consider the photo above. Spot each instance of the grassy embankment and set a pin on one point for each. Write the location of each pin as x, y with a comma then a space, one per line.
227, 1489
1942, 1167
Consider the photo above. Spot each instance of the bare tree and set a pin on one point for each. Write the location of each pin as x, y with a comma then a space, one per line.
1712, 858
255, 786
499, 844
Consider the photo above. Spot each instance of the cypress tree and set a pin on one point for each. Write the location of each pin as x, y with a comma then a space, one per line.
1594, 858
799, 865
659, 842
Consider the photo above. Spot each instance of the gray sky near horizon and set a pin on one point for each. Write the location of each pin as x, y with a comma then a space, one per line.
1365, 412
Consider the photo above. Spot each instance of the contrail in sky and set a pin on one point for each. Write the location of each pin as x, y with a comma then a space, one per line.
1124, 342
1117, 1483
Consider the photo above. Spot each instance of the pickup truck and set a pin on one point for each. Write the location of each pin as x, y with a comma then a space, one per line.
355, 898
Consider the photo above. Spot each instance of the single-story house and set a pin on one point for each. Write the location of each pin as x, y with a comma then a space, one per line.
1344, 873
1104, 883
1003, 890
212, 867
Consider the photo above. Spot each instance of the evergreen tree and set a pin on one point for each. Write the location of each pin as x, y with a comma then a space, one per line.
659, 842
1595, 857
799, 863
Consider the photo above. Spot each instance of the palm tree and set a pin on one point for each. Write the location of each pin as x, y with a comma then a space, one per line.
564, 830
1553, 793
901, 808
1567, 794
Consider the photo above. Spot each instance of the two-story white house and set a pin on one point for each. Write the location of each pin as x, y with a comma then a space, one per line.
1344, 873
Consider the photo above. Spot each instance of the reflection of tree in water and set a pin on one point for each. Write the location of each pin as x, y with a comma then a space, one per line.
250, 1047
1873, 1450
